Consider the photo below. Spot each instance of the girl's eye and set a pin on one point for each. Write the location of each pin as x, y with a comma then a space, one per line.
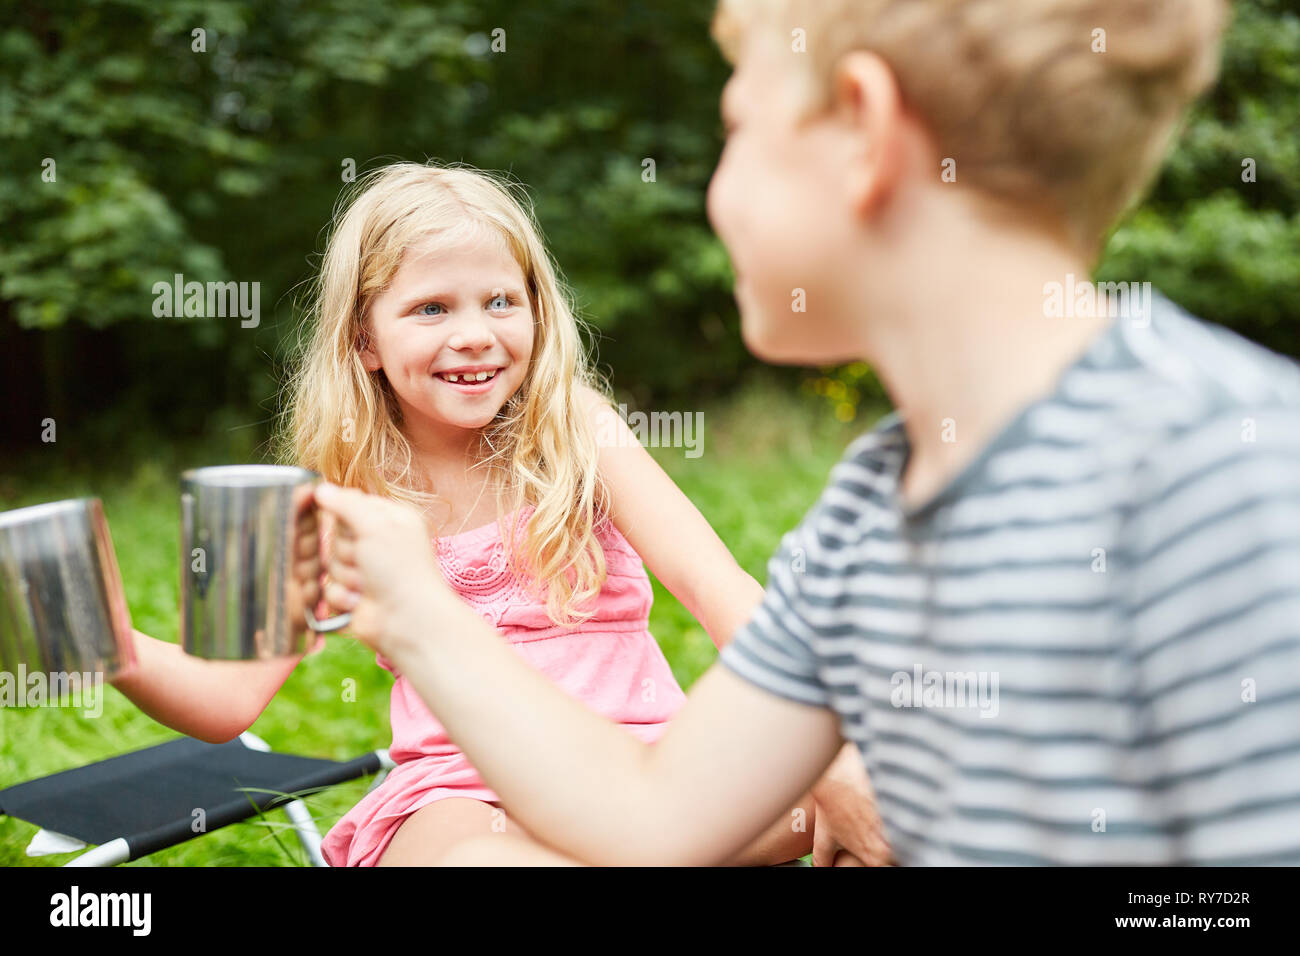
501, 303
422, 310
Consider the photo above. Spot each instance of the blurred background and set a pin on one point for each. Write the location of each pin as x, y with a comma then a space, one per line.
139, 140
224, 165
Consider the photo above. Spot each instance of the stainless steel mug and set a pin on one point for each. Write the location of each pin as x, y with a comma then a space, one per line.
62, 607
239, 599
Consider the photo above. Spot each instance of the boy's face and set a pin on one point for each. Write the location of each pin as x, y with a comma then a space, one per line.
464, 311
778, 204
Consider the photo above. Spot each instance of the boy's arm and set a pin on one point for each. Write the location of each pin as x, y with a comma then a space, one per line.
665, 528
1214, 610
733, 758
753, 735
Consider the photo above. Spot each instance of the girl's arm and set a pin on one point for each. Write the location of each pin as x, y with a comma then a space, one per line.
213, 701
677, 544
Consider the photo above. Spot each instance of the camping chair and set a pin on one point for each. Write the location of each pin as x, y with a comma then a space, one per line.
141, 802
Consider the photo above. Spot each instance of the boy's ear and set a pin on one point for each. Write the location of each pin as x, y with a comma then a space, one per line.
867, 98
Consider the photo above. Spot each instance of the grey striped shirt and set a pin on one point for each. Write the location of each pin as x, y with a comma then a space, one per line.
1086, 648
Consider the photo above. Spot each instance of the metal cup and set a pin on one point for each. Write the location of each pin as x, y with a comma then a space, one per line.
239, 598
62, 607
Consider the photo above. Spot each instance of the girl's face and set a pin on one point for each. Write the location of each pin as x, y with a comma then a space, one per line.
462, 312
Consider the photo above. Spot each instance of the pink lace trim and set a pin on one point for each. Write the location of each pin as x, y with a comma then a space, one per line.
491, 587
476, 577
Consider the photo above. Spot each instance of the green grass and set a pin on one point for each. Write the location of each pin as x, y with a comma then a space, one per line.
764, 461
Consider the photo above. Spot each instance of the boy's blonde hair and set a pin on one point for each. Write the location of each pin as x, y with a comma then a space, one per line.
1013, 90
344, 421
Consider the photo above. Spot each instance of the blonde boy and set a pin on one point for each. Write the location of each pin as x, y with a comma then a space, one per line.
1055, 597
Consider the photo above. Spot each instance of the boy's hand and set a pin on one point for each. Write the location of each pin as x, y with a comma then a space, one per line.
846, 816
382, 568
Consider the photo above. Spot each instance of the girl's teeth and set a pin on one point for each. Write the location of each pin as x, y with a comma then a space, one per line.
471, 376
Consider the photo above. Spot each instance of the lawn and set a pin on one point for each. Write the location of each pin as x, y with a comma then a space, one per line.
765, 458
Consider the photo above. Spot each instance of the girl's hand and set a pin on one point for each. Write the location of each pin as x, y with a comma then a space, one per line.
382, 568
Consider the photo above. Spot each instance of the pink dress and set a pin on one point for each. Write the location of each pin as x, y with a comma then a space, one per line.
611, 663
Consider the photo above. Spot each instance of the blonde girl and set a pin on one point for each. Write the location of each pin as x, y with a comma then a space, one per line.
444, 367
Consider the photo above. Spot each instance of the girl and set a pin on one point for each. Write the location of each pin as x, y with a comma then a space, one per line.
445, 368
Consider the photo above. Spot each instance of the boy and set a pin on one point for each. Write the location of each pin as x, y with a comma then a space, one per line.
1055, 597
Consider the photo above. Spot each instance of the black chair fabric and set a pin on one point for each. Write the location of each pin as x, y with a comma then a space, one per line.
149, 796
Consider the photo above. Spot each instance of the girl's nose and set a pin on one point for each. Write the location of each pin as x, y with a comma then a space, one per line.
471, 334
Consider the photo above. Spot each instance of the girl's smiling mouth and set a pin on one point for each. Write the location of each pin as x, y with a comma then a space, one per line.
469, 379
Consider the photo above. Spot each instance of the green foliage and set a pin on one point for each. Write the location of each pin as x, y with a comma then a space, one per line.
225, 164
1226, 248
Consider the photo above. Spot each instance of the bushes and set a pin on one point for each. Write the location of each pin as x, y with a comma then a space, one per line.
224, 165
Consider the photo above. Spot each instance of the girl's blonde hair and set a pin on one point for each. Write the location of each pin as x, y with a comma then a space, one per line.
344, 421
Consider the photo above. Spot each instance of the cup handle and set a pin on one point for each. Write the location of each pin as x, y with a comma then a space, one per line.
336, 623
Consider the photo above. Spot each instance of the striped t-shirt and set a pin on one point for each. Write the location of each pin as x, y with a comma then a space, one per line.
1086, 648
